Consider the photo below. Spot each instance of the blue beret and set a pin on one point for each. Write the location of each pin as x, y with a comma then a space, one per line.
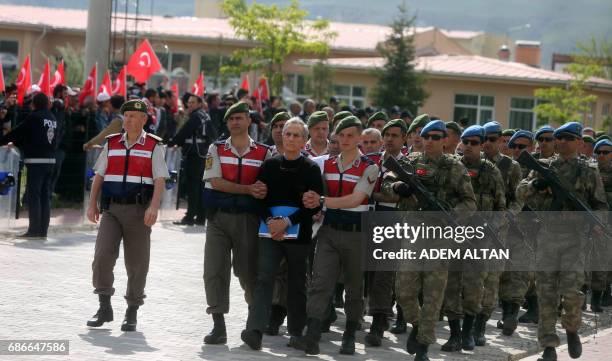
544, 129
602, 143
492, 127
433, 126
474, 131
573, 128
521, 134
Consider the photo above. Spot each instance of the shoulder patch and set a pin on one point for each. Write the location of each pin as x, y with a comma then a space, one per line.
218, 142
154, 137
365, 159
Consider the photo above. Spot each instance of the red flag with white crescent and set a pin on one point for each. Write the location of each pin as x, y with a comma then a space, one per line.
89, 88
120, 84
58, 76
105, 87
44, 83
24, 80
198, 87
143, 62
245, 83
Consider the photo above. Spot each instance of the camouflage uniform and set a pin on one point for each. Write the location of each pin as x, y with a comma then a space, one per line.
600, 279
554, 242
447, 179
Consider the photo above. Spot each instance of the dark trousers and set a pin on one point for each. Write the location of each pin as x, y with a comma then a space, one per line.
271, 253
60, 155
194, 170
38, 190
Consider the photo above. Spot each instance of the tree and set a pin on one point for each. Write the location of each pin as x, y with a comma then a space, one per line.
398, 82
74, 63
321, 81
597, 52
278, 33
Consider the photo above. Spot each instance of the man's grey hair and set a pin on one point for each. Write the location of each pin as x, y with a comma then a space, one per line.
374, 131
297, 121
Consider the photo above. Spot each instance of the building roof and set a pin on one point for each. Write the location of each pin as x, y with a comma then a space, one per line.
349, 36
461, 34
467, 66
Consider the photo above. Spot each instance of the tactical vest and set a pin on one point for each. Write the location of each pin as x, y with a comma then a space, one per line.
377, 158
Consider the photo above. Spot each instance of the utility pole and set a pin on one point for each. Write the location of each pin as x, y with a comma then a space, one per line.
97, 39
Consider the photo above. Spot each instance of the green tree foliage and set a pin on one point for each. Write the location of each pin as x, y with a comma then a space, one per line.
279, 32
74, 63
321, 81
398, 81
597, 52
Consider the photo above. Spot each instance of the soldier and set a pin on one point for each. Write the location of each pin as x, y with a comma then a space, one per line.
131, 174
276, 130
231, 191
377, 120
521, 140
586, 151
195, 137
464, 291
350, 178
447, 179
453, 139
546, 142
414, 133
503, 142
559, 234
318, 127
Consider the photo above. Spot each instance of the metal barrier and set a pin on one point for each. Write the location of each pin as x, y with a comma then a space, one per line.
169, 204
9, 178
90, 160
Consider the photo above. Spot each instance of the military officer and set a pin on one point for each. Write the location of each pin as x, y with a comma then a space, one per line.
318, 128
377, 121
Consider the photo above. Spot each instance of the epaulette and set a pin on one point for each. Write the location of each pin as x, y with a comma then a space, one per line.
158, 139
112, 135
219, 142
364, 158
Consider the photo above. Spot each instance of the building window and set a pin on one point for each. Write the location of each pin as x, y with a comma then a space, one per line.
298, 85
605, 109
211, 66
9, 54
477, 109
522, 115
350, 95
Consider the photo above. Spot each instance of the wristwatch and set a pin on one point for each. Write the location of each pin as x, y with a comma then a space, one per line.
322, 201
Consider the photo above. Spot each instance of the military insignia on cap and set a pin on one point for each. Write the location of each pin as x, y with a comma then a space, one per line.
209, 162
137, 105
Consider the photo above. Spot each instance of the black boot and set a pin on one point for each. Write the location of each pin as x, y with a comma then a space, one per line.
310, 341
505, 310
574, 346
412, 344
252, 338
479, 330
400, 323
277, 318
185, 221
348, 338
596, 301
104, 314
129, 322
421, 352
218, 335
549, 354
511, 321
454, 342
531, 316
374, 337
467, 338
338, 296
606, 300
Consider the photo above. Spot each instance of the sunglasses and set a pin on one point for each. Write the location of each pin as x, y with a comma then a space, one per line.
492, 139
435, 137
519, 146
545, 139
566, 137
603, 152
470, 142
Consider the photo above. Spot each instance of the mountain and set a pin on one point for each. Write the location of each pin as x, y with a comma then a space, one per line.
558, 24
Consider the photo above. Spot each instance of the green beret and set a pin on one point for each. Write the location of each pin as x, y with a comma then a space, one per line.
316, 118
508, 132
339, 116
400, 123
348, 122
377, 116
604, 136
588, 139
240, 107
279, 117
134, 105
419, 122
599, 133
455, 127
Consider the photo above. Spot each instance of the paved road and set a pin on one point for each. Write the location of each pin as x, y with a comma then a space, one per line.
46, 294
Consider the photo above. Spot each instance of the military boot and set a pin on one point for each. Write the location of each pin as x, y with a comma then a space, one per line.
104, 314
574, 346
309, 343
411, 343
549, 354
400, 323
421, 352
454, 342
129, 322
531, 316
252, 338
479, 330
277, 318
596, 301
505, 310
348, 338
511, 320
467, 338
218, 335
374, 337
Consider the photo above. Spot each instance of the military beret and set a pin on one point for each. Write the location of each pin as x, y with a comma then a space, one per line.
602, 137
508, 132
454, 126
602, 143
474, 131
419, 122
434, 125
400, 123
240, 107
521, 134
279, 117
134, 105
317, 117
599, 133
492, 127
348, 122
573, 128
588, 139
544, 129
339, 116
377, 116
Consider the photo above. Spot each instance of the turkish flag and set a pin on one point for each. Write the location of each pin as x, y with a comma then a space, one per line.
58, 76
143, 63
2, 87
89, 88
105, 87
245, 83
262, 93
175, 98
24, 80
120, 84
198, 87
44, 83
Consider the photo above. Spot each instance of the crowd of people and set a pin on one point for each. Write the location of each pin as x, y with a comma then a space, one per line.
282, 190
